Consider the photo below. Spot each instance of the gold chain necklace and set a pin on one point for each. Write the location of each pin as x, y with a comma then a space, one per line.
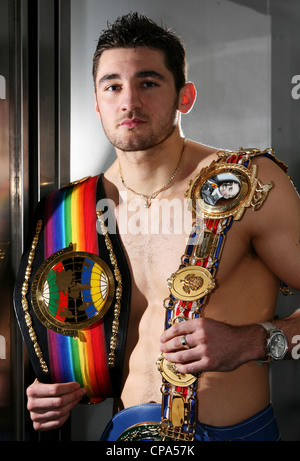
148, 198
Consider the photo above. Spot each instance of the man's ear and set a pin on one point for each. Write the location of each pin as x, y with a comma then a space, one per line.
97, 107
187, 97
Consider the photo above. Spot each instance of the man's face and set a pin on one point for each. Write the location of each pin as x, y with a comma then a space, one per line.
136, 99
229, 190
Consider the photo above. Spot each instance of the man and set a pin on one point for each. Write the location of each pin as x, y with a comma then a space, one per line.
140, 94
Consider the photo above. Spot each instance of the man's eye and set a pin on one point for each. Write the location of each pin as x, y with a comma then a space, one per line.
148, 84
113, 88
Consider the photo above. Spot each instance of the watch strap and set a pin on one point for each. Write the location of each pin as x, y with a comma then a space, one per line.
268, 326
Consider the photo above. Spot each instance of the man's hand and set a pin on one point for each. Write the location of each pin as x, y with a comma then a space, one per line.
212, 345
50, 404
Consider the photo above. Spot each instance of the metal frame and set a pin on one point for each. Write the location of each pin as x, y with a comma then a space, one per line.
39, 120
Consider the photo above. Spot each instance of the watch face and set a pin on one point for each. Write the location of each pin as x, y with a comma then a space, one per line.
278, 346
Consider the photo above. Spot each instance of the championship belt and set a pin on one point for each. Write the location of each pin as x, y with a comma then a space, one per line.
218, 196
75, 293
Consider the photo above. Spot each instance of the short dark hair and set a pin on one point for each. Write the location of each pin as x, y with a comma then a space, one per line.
134, 30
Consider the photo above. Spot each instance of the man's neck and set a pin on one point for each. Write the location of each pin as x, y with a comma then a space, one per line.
148, 170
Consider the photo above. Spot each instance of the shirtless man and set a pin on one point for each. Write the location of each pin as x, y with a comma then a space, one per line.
139, 104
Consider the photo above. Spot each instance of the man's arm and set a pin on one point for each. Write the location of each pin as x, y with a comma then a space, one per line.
275, 228
274, 232
276, 236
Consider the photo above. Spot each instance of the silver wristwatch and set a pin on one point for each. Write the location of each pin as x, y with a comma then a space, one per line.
277, 343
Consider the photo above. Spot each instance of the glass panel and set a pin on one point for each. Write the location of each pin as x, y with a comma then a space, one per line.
47, 132
5, 282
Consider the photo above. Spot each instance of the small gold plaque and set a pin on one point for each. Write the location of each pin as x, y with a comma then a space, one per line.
191, 283
170, 373
177, 411
204, 249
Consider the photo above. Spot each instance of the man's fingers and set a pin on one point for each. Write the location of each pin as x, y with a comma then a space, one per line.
181, 329
44, 415
51, 424
44, 404
181, 342
41, 390
183, 355
50, 404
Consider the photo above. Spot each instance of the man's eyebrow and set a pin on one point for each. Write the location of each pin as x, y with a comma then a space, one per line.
108, 77
140, 74
150, 73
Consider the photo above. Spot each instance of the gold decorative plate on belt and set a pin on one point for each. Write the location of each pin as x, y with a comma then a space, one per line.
72, 290
191, 283
225, 189
172, 375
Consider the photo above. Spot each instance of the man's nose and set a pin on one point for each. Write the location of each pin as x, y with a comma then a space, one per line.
131, 99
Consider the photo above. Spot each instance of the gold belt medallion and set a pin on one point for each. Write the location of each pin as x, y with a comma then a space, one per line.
72, 290
191, 283
222, 190
172, 375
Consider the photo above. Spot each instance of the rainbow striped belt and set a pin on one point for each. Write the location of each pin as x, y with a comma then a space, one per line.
69, 216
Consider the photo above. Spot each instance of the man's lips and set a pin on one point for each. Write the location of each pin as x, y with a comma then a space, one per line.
132, 122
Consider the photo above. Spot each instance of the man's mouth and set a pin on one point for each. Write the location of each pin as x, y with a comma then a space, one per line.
132, 122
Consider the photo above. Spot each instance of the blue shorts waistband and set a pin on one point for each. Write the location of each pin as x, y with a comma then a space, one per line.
260, 427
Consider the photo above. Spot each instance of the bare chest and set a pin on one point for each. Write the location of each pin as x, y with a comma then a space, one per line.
154, 239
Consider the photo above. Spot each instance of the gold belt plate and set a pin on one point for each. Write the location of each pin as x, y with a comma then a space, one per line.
72, 290
225, 189
191, 283
172, 375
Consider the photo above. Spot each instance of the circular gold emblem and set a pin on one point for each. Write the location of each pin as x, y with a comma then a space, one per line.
222, 190
170, 373
191, 283
72, 290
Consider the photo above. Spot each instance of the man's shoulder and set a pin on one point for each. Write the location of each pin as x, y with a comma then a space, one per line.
203, 150
202, 154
